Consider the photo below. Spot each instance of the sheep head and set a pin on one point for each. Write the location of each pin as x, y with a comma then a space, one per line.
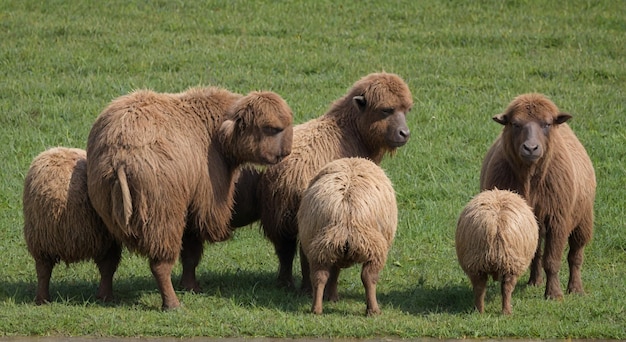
383, 100
258, 129
528, 123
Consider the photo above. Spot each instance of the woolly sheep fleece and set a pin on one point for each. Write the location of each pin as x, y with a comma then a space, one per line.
348, 215
59, 222
538, 156
161, 165
496, 235
369, 122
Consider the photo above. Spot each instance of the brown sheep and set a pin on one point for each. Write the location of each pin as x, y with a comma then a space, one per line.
369, 121
496, 235
59, 222
161, 169
538, 156
348, 215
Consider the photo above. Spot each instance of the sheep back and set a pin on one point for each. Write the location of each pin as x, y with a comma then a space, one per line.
348, 214
496, 234
59, 221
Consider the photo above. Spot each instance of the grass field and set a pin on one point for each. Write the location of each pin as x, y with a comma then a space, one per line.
61, 62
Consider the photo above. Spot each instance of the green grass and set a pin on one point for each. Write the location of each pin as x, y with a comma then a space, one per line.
62, 62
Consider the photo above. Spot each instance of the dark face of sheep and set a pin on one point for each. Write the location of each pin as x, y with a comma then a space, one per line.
383, 100
528, 121
262, 130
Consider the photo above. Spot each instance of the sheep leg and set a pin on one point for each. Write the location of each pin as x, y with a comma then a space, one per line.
305, 286
479, 285
536, 269
285, 248
162, 272
319, 278
553, 251
190, 255
507, 285
369, 277
577, 242
330, 292
107, 267
43, 267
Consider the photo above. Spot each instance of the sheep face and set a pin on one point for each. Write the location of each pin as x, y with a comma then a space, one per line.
383, 101
528, 121
260, 129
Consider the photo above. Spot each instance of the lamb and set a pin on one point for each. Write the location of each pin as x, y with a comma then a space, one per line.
538, 156
59, 222
347, 215
161, 169
496, 235
369, 121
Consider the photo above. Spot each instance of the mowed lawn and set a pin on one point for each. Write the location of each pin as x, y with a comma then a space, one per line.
62, 62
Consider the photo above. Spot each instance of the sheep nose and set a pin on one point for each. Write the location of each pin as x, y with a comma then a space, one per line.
405, 133
530, 148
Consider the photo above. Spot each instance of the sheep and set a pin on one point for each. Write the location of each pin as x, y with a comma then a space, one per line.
369, 121
496, 235
161, 170
59, 222
347, 215
538, 156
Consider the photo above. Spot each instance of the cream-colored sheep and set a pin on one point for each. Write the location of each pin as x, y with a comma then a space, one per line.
348, 215
496, 235
59, 222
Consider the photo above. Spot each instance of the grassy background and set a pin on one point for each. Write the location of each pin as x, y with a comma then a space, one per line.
61, 62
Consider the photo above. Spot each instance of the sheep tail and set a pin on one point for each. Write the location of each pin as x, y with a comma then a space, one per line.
121, 192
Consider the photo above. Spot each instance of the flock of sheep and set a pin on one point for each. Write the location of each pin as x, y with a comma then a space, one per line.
163, 173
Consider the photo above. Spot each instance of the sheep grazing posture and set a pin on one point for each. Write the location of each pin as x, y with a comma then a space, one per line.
161, 169
369, 121
59, 222
538, 156
347, 215
496, 235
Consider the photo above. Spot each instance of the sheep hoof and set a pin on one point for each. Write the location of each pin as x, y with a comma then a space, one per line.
373, 312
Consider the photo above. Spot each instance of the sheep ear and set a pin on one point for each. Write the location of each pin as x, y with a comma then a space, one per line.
561, 118
360, 102
227, 129
501, 118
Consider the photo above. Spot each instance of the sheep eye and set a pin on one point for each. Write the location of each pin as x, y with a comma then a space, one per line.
269, 130
516, 125
387, 111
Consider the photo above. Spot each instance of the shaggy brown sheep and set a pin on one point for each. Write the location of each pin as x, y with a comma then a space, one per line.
161, 165
369, 121
348, 215
59, 222
496, 235
538, 156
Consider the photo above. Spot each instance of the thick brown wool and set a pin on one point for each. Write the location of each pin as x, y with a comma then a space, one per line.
369, 122
161, 165
538, 156
59, 222
496, 235
348, 215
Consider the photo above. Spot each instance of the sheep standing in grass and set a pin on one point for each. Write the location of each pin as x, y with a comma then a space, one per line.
161, 169
369, 122
538, 156
496, 235
59, 222
347, 215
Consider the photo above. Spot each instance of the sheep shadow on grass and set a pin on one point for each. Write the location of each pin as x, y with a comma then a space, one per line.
451, 298
245, 288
